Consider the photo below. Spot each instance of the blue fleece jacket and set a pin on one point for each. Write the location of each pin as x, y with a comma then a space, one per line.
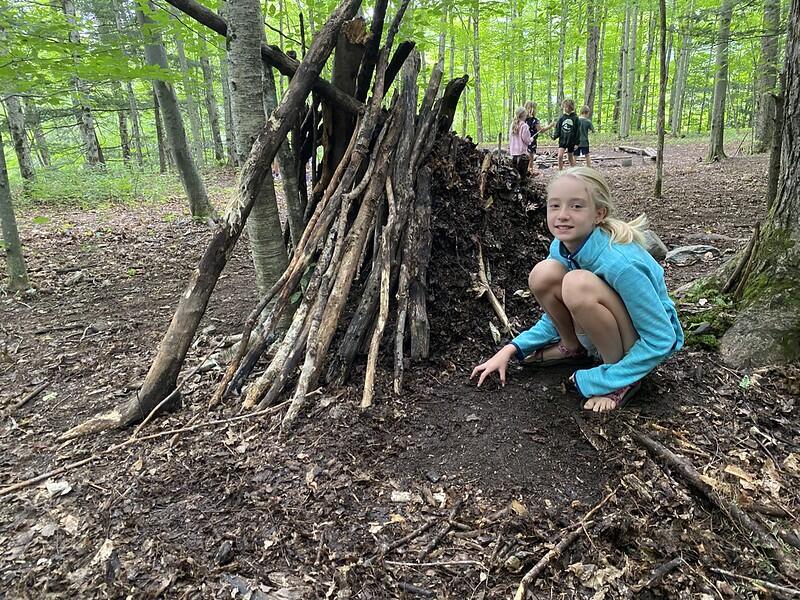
639, 280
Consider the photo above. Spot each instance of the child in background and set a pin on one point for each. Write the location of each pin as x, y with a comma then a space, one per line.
584, 126
566, 132
536, 128
602, 293
519, 136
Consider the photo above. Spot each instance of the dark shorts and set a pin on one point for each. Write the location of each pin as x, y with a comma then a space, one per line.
582, 151
532, 147
570, 148
521, 162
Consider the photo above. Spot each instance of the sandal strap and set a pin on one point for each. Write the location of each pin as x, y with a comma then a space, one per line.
567, 353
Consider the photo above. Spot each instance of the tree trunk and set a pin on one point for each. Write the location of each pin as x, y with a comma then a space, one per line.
773, 172
679, 85
645, 87
211, 105
83, 114
716, 151
136, 126
562, 41
191, 105
476, 64
600, 79
629, 72
163, 374
767, 329
338, 125
247, 103
34, 124
120, 15
619, 84
662, 94
371, 48
592, 43
295, 208
162, 144
767, 76
122, 121
271, 54
230, 134
193, 184
15, 262
16, 125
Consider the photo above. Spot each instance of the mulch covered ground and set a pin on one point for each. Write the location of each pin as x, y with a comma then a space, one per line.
447, 491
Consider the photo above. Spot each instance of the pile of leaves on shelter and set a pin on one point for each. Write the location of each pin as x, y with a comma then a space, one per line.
507, 220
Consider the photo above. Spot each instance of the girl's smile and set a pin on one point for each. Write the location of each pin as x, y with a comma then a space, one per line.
571, 214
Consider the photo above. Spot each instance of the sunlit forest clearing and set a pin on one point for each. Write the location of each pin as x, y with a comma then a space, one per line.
257, 254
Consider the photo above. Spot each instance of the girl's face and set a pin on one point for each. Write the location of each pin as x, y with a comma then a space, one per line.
571, 213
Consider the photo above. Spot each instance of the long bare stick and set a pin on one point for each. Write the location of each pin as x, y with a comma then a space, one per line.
383, 313
730, 509
498, 309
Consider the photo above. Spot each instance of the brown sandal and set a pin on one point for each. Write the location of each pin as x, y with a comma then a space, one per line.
567, 356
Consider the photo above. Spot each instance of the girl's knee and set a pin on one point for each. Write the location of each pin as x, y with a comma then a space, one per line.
580, 287
546, 275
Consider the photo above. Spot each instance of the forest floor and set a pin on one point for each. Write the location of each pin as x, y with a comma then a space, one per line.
489, 479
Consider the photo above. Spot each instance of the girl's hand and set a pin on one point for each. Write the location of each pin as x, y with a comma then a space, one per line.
499, 363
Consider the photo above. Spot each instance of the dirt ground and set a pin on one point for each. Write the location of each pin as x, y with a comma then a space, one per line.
444, 492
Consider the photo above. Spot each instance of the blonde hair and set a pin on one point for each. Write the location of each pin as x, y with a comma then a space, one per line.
568, 105
586, 110
521, 114
530, 107
600, 194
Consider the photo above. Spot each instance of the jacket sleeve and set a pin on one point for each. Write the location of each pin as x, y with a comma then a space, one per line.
525, 134
541, 334
557, 129
657, 337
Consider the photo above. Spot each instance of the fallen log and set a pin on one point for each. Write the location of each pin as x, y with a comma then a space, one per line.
163, 373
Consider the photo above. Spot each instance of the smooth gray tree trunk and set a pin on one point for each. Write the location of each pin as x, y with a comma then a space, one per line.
767, 76
592, 43
34, 124
136, 126
230, 134
163, 151
80, 104
245, 72
716, 151
15, 262
191, 105
286, 162
193, 184
476, 65
16, 125
562, 41
645, 87
211, 105
679, 85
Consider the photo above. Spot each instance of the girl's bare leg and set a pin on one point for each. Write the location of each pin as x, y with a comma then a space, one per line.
560, 158
597, 310
571, 157
588, 161
545, 283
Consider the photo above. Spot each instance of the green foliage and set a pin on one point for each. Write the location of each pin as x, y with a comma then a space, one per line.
96, 188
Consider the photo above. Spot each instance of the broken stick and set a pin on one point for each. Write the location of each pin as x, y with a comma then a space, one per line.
730, 509
498, 309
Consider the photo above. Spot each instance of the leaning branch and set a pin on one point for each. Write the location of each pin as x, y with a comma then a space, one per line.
270, 54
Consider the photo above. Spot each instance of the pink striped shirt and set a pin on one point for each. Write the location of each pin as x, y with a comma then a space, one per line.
518, 142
